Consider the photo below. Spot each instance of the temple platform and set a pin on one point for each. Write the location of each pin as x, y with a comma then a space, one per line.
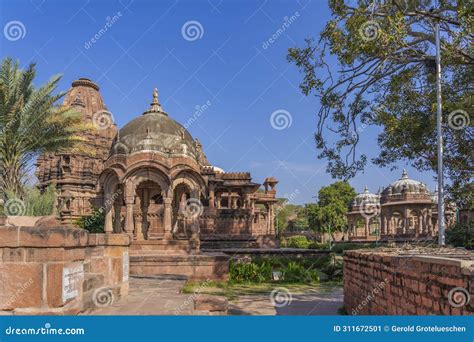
199, 266
177, 257
228, 241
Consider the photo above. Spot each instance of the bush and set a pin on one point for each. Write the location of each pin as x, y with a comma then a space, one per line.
461, 235
295, 272
251, 272
305, 270
40, 204
33, 202
93, 223
298, 241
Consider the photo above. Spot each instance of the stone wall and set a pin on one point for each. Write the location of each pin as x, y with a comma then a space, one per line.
387, 282
60, 270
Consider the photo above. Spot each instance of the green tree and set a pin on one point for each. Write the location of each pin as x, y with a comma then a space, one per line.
290, 217
329, 214
384, 76
31, 123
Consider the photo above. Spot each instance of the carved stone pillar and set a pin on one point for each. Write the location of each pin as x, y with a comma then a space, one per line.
367, 221
167, 216
129, 200
117, 218
108, 228
271, 218
144, 208
211, 196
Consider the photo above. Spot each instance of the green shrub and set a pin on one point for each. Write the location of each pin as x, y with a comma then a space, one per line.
305, 270
243, 272
40, 204
295, 272
298, 241
461, 235
32, 203
93, 223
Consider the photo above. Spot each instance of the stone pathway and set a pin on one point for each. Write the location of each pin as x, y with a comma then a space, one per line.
312, 302
161, 296
151, 296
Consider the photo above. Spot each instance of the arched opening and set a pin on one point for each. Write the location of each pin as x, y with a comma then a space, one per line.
148, 210
374, 228
187, 208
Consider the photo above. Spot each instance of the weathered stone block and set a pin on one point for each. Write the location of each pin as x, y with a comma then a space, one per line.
21, 285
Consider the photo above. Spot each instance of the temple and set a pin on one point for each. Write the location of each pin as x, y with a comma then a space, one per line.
405, 210
154, 182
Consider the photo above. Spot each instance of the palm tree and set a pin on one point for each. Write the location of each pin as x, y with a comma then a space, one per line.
31, 123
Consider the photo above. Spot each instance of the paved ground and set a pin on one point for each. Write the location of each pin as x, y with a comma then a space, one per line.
151, 296
161, 296
312, 302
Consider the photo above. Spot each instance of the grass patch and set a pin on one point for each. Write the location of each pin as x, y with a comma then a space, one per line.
233, 291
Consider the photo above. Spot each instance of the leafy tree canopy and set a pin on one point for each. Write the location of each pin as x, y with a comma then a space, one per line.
30, 124
385, 77
329, 214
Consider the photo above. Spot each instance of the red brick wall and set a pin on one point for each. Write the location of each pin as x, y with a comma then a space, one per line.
384, 283
34, 261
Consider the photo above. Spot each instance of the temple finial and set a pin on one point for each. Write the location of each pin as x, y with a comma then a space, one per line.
155, 106
404, 174
366, 189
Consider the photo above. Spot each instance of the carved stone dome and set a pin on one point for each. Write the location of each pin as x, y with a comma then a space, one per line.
365, 198
155, 131
405, 185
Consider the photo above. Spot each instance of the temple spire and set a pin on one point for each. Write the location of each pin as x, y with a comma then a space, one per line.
155, 106
404, 174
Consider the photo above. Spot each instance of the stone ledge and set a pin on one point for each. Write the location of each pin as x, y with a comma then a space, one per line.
109, 240
444, 261
43, 237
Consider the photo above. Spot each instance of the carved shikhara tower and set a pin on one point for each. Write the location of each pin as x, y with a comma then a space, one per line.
75, 175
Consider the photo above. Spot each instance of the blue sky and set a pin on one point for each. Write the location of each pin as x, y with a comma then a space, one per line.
225, 61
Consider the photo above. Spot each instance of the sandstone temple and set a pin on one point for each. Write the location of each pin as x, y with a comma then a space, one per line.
404, 210
154, 182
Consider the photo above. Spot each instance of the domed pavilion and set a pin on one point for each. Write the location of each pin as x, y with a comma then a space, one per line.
153, 181
405, 210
